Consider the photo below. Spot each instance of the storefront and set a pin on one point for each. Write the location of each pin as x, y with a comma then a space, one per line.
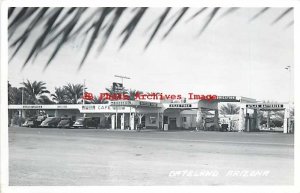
125, 114
163, 115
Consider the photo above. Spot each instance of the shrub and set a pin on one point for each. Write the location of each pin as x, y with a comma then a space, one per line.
16, 120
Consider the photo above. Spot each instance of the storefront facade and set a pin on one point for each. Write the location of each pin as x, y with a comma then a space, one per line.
163, 115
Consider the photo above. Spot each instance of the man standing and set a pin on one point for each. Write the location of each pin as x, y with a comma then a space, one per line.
204, 123
198, 120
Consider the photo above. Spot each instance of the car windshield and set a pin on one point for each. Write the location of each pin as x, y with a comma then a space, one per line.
64, 121
40, 118
79, 121
49, 119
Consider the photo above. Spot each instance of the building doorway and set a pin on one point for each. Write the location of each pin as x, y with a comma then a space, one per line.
172, 123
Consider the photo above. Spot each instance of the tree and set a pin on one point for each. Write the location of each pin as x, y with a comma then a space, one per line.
130, 92
133, 93
74, 92
43, 99
97, 100
36, 91
229, 109
62, 25
9, 92
60, 96
14, 96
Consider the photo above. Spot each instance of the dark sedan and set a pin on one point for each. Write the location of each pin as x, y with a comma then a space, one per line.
87, 122
35, 122
65, 122
50, 122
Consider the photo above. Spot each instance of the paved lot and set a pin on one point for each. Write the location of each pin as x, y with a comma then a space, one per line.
40, 156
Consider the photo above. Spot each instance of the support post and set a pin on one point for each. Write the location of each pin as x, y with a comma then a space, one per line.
248, 124
255, 126
286, 120
199, 121
20, 118
113, 124
216, 119
140, 118
56, 113
116, 119
268, 119
241, 120
106, 119
157, 120
162, 121
132, 121
122, 121
258, 120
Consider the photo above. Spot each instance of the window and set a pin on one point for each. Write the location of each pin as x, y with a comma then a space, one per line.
152, 120
184, 119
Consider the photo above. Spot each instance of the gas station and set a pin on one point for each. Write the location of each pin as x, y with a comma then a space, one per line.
251, 121
164, 115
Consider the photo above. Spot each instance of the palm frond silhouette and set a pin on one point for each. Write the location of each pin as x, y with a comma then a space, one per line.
60, 25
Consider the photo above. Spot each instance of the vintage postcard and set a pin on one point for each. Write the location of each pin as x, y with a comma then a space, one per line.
96, 96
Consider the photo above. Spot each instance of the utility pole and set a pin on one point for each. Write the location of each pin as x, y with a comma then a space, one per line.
83, 91
289, 92
22, 91
122, 79
22, 99
22, 95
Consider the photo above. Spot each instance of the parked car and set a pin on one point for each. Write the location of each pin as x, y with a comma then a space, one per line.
50, 122
65, 122
25, 124
35, 122
86, 122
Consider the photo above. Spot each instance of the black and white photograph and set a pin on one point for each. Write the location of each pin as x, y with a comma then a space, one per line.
149, 96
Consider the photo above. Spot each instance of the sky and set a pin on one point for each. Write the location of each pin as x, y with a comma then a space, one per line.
233, 56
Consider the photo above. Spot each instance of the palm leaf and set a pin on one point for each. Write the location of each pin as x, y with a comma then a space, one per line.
64, 24
82, 26
262, 11
210, 18
181, 14
229, 11
65, 35
196, 14
118, 14
282, 15
21, 40
95, 34
23, 15
56, 35
11, 11
291, 23
160, 21
39, 42
18, 17
128, 30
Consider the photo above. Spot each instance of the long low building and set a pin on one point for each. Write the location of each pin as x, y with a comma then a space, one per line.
126, 114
